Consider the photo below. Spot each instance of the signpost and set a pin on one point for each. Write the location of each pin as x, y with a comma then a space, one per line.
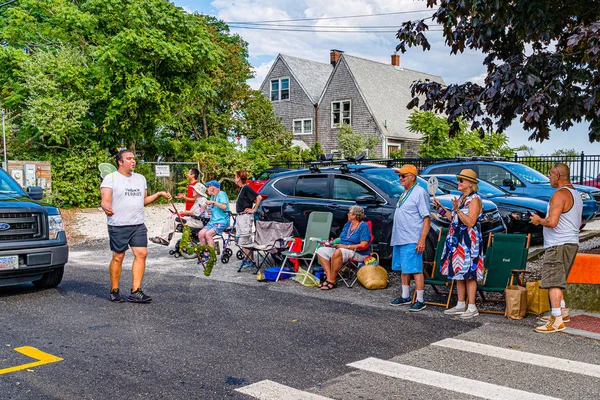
162, 171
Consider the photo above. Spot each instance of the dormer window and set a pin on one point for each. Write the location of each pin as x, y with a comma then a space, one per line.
280, 89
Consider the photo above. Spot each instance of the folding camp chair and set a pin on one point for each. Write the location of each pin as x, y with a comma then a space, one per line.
318, 228
349, 271
434, 277
270, 238
505, 259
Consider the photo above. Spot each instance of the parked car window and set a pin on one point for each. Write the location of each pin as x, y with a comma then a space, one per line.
495, 174
312, 186
9, 186
455, 169
286, 185
348, 189
438, 170
447, 186
528, 173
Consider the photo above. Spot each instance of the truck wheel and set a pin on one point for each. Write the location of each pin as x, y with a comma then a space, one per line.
50, 279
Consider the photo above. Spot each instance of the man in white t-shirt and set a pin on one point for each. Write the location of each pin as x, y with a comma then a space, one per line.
124, 195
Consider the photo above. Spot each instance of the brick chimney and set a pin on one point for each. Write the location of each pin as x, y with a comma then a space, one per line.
396, 60
334, 56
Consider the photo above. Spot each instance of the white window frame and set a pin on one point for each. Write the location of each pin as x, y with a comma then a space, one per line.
341, 103
302, 120
278, 80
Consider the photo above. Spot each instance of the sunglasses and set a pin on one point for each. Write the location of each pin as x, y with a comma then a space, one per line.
460, 180
403, 176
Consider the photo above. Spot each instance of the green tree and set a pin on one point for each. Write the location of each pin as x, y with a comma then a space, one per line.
353, 143
541, 59
437, 142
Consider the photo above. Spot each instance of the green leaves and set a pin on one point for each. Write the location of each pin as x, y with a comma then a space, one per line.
353, 143
464, 142
543, 63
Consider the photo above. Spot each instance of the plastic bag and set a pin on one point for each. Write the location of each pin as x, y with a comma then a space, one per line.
305, 278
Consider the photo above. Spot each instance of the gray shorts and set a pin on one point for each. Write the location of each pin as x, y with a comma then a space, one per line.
558, 261
122, 237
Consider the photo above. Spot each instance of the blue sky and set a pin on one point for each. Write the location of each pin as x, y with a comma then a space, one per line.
265, 45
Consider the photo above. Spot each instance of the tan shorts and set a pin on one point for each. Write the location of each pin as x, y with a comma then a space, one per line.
327, 253
558, 261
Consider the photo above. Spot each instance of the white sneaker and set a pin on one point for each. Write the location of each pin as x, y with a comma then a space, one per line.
469, 314
455, 310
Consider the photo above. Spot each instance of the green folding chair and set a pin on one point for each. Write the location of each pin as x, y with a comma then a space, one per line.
434, 276
505, 259
318, 229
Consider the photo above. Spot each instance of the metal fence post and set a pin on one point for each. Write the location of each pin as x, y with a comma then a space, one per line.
516, 157
581, 168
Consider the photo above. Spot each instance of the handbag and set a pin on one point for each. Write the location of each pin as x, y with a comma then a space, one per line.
373, 276
538, 301
516, 302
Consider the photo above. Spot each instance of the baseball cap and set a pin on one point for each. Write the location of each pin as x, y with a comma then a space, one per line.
213, 183
407, 169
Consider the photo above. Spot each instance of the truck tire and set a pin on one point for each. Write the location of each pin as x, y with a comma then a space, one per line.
50, 279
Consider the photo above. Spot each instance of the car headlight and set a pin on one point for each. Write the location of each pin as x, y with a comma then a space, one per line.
55, 226
521, 216
585, 196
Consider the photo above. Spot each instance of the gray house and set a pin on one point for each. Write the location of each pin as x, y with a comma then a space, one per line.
314, 98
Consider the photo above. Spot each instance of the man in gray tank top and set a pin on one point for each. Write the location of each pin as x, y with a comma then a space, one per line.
561, 241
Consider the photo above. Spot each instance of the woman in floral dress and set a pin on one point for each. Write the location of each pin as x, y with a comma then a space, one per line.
462, 257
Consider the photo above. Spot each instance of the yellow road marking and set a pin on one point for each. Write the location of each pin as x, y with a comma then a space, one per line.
41, 357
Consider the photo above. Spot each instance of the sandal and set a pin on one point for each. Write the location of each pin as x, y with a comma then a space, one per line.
159, 240
328, 285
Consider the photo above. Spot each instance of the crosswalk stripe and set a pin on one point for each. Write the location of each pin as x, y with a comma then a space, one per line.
269, 390
522, 357
445, 381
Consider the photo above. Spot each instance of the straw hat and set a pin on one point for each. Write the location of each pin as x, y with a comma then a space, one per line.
200, 189
468, 175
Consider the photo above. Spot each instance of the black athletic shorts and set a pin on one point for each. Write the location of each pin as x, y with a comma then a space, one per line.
122, 237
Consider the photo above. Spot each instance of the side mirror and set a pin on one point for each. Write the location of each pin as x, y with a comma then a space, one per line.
367, 199
509, 183
35, 192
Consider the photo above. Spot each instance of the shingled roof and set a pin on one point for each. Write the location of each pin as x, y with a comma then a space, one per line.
386, 90
311, 75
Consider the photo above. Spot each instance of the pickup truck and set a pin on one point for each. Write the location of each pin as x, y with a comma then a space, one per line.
33, 244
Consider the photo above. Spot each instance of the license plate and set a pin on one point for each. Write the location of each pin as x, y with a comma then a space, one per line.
9, 262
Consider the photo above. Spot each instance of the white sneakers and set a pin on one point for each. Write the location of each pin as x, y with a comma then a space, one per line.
462, 312
554, 324
564, 313
455, 310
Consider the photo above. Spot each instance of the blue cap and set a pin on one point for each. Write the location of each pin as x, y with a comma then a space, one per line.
213, 183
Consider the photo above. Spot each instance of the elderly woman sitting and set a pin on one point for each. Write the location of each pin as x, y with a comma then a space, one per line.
355, 235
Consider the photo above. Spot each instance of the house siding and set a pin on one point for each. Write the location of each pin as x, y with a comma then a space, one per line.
342, 87
299, 105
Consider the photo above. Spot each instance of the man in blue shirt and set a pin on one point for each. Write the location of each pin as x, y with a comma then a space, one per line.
219, 220
411, 225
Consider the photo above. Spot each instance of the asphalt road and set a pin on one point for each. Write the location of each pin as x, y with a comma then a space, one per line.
205, 337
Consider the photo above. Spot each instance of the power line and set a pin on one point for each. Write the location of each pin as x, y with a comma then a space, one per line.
323, 31
323, 18
321, 26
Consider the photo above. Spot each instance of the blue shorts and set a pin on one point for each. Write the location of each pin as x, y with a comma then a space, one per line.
406, 259
217, 228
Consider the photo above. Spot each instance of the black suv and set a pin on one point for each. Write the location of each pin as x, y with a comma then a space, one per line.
33, 244
292, 196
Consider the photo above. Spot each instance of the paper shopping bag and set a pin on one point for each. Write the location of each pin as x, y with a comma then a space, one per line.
537, 299
516, 301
